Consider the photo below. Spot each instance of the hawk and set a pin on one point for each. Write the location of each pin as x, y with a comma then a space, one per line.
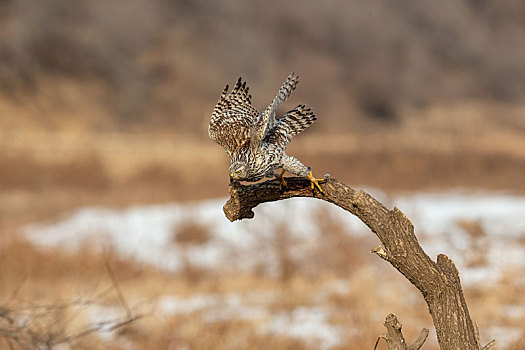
256, 141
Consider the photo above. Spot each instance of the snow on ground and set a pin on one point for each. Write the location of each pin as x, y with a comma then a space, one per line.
249, 306
146, 233
501, 218
307, 323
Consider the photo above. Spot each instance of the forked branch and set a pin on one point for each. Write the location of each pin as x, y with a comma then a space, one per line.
438, 281
394, 337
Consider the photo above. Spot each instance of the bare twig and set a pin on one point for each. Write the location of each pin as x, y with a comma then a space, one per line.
106, 326
418, 343
120, 295
30, 326
489, 345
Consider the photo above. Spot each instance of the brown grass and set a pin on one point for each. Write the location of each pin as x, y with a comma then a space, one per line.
118, 169
339, 250
52, 277
46, 294
23, 171
191, 233
190, 332
36, 272
417, 170
39, 184
338, 274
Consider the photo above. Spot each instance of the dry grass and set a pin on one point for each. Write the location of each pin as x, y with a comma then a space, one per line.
191, 233
23, 171
190, 333
48, 296
52, 277
416, 170
478, 245
34, 273
124, 169
338, 275
45, 173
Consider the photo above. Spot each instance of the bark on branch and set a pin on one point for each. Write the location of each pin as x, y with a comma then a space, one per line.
394, 337
438, 281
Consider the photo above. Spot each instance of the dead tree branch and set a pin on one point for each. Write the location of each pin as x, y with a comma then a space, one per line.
438, 281
394, 337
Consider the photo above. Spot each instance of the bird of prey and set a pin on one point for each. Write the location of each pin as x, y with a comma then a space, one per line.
256, 141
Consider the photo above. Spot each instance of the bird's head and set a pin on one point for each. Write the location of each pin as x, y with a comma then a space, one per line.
238, 171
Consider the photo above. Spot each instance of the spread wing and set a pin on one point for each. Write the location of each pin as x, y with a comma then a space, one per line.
232, 118
266, 119
291, 124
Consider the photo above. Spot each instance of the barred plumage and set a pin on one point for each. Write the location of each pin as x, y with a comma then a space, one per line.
256, 141
293, 122
232, 118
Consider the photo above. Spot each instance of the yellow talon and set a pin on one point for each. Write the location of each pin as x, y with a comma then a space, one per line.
313, 181
281, 180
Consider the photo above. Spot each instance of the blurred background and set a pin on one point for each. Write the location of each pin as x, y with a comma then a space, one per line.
104, 108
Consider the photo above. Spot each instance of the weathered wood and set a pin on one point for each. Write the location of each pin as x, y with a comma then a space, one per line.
394, 336
438, 281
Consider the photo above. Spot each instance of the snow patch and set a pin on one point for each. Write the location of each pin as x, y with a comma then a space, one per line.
146, 233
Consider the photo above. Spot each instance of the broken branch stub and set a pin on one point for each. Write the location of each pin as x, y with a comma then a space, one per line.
394, 336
